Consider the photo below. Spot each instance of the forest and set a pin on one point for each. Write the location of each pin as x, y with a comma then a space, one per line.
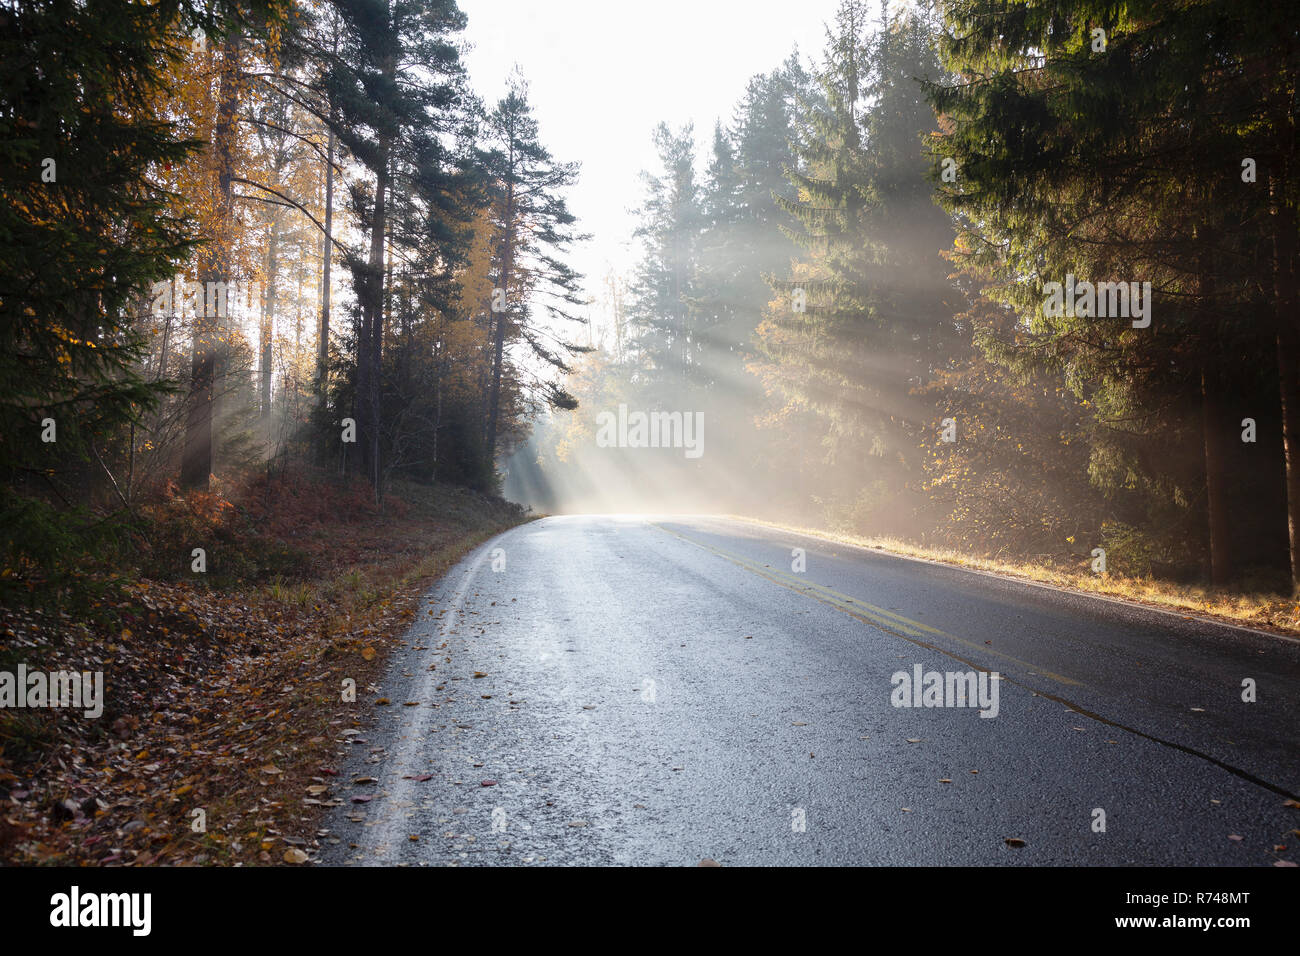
866, 279
290, 322
313, 246
244, 236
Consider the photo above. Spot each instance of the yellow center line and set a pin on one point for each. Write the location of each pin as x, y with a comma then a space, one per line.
887, 621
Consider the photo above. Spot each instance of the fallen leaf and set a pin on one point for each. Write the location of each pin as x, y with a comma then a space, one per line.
295, 856
1013, 841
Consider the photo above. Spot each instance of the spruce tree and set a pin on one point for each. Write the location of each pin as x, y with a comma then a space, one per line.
533, 230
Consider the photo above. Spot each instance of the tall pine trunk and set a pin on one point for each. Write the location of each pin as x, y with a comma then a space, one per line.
268, 317
1216, 482
1286, 300
1288, 363
372, 325
498, 346
196, 458
1213, 423
323, 342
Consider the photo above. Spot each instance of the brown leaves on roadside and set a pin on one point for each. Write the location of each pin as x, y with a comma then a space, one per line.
226, 691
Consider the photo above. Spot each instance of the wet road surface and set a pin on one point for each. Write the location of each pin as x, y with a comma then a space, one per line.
661, 690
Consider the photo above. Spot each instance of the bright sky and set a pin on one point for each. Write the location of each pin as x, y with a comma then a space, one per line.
603, 73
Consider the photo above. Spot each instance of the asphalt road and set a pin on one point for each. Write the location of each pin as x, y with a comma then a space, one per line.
666, 690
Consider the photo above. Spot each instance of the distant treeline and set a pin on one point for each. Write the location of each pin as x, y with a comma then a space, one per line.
896, 294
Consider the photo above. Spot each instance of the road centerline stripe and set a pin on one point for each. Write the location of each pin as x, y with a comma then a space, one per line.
895, 624
885, 626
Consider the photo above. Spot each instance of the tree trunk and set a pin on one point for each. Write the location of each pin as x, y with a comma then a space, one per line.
1213, 423
268, 317
323, 343
372, 326
498, 354
196, 459
1286, 301
1216, 484
1288, 364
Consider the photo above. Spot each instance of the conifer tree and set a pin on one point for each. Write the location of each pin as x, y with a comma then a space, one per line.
86, 228
1100, 142
533, 230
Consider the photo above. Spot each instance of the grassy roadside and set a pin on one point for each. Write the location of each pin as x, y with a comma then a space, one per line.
223, 694
1265, 612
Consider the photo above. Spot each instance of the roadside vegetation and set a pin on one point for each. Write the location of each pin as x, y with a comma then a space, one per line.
224, 691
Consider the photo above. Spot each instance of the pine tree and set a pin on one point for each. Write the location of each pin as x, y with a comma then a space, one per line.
664, 287
1098, 142
396, 84
862, 322
533, 231
85, 231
